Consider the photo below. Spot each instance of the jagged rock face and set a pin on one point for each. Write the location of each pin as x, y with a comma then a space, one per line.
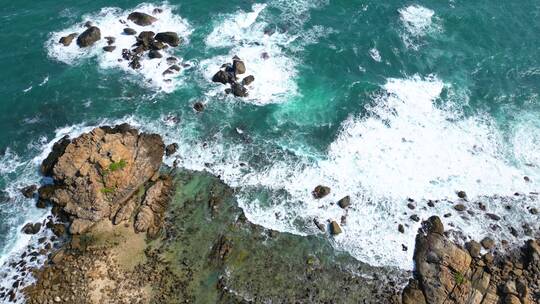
447, 273
101, 170
151, 214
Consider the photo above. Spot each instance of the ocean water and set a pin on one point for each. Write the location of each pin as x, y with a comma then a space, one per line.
383, 101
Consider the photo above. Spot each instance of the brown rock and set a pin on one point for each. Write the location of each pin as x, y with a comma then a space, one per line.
334, 228
320, 191
345, 202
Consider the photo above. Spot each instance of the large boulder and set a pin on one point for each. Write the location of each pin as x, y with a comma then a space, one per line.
141, 19
101, 170
89, 37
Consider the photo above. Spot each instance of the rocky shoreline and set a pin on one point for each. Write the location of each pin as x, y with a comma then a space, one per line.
126, 229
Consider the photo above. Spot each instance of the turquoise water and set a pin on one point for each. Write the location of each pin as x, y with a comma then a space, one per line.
380, 100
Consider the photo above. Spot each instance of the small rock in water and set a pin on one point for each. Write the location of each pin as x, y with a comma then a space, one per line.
110, 40
89, 37
154, 54
129, 31
109, 48
320, 191
29, 191
171, 149
345, 202
493, 216
462, 194
460, 207
411, 206
415, 218
319, 225
172, 60
222, 77
238, 66
533, 211
198, 106
404, 248
526, 178
31, 228
66, 40
265, 56
334, 228
248, 80
171, 38
88, 24
401, 228
239, 90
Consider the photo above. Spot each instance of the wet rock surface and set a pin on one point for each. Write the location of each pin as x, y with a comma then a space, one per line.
446, 272
228, 74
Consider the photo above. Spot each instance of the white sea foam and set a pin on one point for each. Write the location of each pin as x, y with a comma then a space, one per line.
108, 20
404, 147
418, 22
263, 53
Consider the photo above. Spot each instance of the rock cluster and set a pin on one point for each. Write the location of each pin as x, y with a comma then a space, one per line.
147, 43
228, 75
448, 273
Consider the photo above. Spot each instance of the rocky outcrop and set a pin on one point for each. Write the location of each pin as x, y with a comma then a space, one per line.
141, 19
89, 37
228, 75
100, 171
448, 273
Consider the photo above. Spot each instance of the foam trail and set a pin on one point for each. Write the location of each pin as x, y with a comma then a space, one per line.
108, 20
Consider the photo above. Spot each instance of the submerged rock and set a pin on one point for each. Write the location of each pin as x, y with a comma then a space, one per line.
141, 19
89, 37
198, 106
